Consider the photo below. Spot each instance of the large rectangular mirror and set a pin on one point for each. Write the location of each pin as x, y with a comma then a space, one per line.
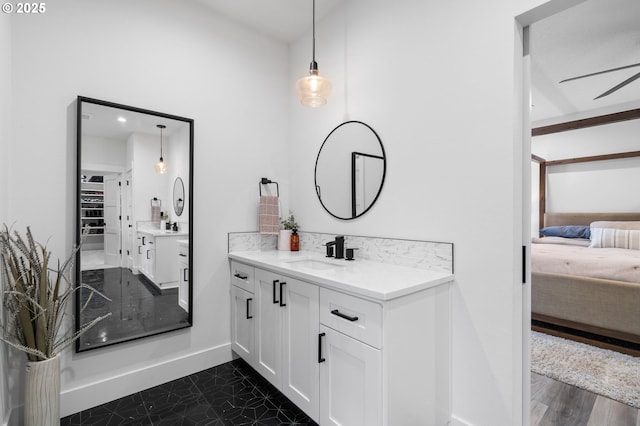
134, 218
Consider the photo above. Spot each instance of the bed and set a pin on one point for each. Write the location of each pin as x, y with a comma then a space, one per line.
588, 293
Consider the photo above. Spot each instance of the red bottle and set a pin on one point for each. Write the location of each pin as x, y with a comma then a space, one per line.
295, 240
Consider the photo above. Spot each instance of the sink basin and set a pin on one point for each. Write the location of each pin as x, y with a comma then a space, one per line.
315, 264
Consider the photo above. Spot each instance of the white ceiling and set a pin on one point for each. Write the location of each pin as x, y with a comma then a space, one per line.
284, 20
593, 36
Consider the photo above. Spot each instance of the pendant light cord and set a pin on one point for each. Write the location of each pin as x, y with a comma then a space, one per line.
313, 26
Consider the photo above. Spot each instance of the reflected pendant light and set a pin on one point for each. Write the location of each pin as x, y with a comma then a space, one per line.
161, 166
313, 89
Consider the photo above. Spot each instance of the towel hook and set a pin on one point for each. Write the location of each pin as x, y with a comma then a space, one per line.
265, 181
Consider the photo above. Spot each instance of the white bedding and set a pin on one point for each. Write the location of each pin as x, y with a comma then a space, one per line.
607, 263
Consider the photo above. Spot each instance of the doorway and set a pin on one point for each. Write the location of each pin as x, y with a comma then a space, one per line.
100, 210
563, 110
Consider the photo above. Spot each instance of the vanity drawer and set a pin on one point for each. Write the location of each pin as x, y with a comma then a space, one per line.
355, 317
242, 276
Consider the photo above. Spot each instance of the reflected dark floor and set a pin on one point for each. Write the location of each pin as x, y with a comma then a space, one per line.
138, 308
229, 394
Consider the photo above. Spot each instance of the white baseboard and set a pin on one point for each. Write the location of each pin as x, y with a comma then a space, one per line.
100, 392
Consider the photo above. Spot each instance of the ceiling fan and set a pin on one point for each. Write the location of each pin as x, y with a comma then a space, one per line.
615, 88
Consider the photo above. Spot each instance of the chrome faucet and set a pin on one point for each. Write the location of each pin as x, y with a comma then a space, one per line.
338, 243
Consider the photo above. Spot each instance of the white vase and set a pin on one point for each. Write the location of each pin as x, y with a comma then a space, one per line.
42, 393
284, 239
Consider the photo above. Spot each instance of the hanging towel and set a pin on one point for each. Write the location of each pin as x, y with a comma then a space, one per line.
269, 214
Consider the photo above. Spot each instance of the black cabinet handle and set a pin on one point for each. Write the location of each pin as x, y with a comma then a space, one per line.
320, 359
185, 276
184, 255
274, 290
341, 315
281, 296
248, 302
143, 243
148, 255
139, 248
242, 277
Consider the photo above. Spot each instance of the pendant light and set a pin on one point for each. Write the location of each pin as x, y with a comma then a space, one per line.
161, 166
313, 89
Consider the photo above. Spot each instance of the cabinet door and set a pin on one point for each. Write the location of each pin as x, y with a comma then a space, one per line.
350, 381
183, 285
149, 261
268, 344
242, 324
300, 375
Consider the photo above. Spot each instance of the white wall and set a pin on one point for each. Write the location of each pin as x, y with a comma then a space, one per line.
104, 154
5, 119
438, 81
165, 56
602, 186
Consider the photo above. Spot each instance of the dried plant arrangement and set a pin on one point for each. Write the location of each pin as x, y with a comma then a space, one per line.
35, 298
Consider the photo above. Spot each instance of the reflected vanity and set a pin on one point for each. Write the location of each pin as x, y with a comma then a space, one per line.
350, 170
142, 263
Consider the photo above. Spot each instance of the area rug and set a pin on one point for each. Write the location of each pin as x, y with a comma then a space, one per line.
601, 371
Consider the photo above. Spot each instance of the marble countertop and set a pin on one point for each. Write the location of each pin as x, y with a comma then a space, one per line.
163, 233
372, 280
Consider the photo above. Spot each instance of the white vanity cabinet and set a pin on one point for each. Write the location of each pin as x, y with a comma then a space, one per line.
243, 312
286, 333
146, 254
156, 255
343, 356
351, 360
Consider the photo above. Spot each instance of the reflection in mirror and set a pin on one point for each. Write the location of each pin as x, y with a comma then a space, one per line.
178, 196
350, 170
134, 250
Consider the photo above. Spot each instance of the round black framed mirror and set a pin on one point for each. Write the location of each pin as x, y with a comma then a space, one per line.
350, 170
178, 196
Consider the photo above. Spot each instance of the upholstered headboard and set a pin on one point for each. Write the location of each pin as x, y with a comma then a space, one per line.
559, 219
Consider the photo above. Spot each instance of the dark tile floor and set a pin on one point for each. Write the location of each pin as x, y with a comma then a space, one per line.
137, 307
229, 394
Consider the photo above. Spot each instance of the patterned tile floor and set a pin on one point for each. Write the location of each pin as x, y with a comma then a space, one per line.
229, 394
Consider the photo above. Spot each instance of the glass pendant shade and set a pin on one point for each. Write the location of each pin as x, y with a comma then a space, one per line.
313, 89
161, 166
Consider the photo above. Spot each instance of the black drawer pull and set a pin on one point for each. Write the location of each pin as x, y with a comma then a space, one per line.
242, 277
320, 359
274, 290
281, 296
341, 315
184, 255
185, 276
249, 301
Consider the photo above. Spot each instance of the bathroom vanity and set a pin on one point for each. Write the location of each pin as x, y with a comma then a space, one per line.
350, 343
158, 254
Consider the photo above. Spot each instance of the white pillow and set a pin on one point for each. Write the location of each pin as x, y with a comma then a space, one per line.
617, 224
615, 238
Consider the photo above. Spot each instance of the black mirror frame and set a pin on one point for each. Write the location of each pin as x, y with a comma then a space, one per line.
384, 172
77, 221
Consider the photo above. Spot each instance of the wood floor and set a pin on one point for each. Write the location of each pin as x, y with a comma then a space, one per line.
555, 403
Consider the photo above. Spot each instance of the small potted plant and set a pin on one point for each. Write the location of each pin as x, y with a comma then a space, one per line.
34, 300
288, 234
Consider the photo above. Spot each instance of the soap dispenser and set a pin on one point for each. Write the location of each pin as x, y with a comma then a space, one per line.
295, 240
